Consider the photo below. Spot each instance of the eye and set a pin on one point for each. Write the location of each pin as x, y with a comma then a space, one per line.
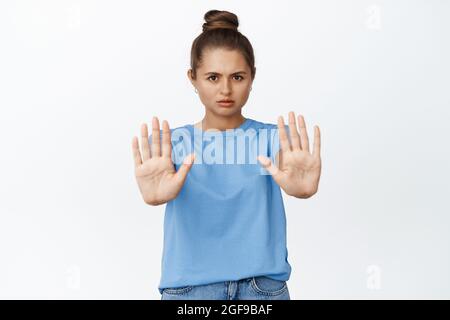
241, 77
213, 76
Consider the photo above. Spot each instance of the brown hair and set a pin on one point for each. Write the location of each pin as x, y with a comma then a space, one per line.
221, 31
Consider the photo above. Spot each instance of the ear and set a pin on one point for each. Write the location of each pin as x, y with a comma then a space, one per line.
189, 75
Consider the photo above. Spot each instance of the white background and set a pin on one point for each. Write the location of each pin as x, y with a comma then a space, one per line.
77, 79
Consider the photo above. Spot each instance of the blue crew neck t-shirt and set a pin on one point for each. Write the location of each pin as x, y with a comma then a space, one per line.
228, 221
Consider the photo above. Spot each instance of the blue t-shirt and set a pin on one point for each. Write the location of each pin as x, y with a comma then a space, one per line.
228, 221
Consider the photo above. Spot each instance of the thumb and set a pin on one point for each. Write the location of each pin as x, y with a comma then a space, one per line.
267, 164
185, 167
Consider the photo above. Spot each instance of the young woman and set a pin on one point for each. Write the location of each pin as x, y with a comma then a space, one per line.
225, 224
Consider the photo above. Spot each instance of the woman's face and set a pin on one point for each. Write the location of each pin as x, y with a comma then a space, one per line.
223, 74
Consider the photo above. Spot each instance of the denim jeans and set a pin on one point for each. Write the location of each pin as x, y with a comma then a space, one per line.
254, 288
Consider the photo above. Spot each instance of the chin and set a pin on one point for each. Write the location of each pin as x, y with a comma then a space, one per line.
230, 112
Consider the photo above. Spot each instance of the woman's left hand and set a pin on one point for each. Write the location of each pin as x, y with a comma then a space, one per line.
298, 170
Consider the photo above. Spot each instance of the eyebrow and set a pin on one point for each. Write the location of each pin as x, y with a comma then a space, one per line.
212, 72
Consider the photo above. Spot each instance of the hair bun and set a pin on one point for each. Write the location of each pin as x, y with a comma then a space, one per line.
216, 19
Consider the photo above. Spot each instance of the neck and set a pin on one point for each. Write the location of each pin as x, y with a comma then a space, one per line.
211, 122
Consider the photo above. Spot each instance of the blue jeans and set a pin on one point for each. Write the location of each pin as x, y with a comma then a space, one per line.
254, 288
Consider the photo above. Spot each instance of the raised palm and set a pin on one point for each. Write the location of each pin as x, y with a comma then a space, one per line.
298, 171
155, 173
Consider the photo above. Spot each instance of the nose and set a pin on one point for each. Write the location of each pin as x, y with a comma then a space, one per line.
226, 87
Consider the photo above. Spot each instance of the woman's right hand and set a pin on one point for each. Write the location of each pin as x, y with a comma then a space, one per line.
156, 176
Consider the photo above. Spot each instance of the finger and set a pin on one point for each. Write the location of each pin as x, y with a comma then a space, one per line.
136, 153
166, 143
284, 142
295, 138
303, 133
144, 140
185, 167
316, 150
268, 165
156, 144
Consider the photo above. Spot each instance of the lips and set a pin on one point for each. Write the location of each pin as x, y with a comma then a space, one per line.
225, 103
